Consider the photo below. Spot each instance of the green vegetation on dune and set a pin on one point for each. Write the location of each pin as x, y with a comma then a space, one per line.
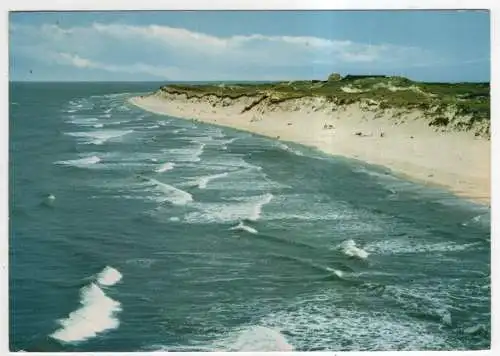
461, 106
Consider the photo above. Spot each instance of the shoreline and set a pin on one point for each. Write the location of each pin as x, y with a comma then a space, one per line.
456, 161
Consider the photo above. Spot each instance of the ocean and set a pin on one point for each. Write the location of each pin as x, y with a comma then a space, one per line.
131, 231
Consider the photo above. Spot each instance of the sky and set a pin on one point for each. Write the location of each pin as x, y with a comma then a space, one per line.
445, 46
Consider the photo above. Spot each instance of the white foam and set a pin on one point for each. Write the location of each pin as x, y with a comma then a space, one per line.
255, 339
289, 149
482, 220
51, 197
81, 162
96, 315
396, 246
257, 205
446, 318
474, 329
97, 126
165, 167
244, 179
191, 154
82, 121
173, 195
100, 136
321, 323
243, 227
336, 272
203, 181
109, 276
232, 211
350, 249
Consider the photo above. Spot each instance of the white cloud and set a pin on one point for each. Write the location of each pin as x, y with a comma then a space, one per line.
178, 53
77, 61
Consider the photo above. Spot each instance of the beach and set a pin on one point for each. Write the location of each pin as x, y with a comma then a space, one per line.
456, 161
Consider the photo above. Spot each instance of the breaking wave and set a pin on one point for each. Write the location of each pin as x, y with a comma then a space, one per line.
97, 312
254, 339
242, 227
350, 249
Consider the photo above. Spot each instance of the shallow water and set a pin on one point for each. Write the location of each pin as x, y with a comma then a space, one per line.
131, 231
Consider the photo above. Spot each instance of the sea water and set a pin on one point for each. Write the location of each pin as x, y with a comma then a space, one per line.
165, 234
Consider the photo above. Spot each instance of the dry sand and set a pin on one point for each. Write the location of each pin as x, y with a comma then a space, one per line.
457, 161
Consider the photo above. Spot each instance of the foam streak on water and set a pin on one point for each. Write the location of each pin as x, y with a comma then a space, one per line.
165, 167
172, 194
249, 208
81, 162
99, 137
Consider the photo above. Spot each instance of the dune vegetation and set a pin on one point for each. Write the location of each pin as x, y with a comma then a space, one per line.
449, 106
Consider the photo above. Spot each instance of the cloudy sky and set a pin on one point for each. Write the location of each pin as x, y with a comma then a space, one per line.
259, 45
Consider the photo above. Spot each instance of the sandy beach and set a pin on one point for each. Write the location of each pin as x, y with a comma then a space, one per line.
457, 161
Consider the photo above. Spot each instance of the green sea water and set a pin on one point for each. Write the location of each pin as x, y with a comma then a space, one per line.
131, 231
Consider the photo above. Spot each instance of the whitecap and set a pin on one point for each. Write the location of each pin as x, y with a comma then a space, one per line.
81, 162
96, 314
89, 121
242, 227
446, 318
203, 181
474, 329
249, 208
174, 195
289, 149
396, 246
350, 249
191, 154
99, 137
109, 276
255, 339
165, 167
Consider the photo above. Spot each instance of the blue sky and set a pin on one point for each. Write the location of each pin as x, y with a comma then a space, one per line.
248, 45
